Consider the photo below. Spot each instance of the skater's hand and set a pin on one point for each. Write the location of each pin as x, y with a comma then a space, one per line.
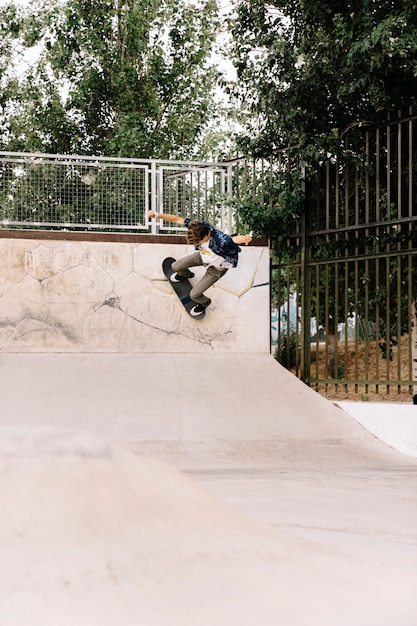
242, 239
151, 214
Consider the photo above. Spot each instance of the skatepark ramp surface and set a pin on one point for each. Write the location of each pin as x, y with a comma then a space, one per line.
162, 471
193, 410
178, 489
97, 535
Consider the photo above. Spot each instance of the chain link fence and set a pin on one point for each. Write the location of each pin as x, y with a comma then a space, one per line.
97, 193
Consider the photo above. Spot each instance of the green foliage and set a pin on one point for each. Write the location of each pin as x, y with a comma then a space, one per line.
130, 78
313, 74
11, 22
273, 203
311, 69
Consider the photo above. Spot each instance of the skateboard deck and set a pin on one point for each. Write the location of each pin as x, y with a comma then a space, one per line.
182, 288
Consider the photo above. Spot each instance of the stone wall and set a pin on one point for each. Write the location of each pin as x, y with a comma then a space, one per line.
106, 296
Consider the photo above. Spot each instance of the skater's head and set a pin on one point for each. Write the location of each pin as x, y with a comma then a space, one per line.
197, 232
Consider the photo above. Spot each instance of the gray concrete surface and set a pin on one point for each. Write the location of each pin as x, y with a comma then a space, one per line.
176, 489
217, 411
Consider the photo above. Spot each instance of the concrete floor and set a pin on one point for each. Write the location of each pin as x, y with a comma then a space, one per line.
251, 500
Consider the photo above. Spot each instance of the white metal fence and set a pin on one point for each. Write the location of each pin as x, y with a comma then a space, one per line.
111, 194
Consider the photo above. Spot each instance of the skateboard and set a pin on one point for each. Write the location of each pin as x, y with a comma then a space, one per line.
182, 288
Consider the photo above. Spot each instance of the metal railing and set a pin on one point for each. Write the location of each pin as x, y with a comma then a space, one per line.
345, 279
110, 194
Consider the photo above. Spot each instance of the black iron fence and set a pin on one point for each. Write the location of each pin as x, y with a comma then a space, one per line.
345, 282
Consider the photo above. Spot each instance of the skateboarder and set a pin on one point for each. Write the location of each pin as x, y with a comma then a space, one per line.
215, 250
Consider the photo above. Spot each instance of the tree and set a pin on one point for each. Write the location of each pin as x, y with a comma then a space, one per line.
10, 26
314, 75
310, 69
127, 78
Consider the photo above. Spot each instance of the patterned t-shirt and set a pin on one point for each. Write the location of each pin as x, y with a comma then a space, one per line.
209, 257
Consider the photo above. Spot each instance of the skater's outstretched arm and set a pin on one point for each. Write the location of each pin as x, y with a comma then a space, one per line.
177, 219
167, 217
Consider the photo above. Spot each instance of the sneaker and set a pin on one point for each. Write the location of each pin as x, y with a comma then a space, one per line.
200, 308
177, 278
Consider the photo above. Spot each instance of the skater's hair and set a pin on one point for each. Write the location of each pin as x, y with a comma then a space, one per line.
196, 232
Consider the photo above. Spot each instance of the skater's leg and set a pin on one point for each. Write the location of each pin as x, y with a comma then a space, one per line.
181, 267
211, 276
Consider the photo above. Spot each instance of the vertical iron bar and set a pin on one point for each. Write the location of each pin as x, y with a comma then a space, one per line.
377, 177
366, 338
377, 350
315, 298
326, 323
399, 169
410, 317
410, 245
288, 320
367, 157
410, 167
388, 321
346, 363
357, 320
279, 305
399, 320
327, 192
388, 215
336, 320
305, 279
297, 331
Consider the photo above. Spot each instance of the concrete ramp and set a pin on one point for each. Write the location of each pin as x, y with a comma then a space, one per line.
92, 337
59, 295
195, 411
